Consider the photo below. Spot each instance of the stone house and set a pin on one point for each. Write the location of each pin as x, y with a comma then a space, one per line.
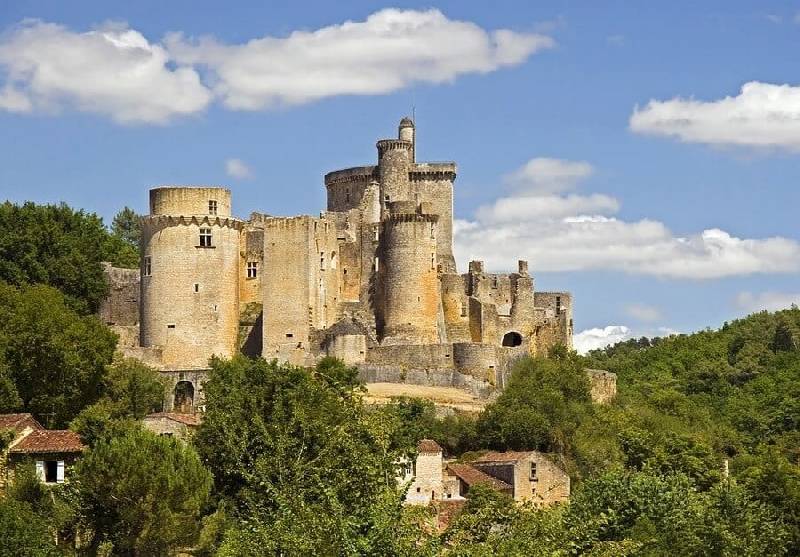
533, 476
52, 451
428, 483
172, 424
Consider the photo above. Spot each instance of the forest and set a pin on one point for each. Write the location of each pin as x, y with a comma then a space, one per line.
699, 454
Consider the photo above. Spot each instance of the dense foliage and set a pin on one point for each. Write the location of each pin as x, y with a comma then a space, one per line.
60, 247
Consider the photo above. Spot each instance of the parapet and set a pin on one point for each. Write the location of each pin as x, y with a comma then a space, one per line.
522, 267
385, 145
190, 200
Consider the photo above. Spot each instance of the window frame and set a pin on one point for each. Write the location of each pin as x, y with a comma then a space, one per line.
206, 238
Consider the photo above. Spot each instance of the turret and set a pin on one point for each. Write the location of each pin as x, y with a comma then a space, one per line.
406, 132
394, 164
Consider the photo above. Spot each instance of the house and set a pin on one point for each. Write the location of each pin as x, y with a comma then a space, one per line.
467, 476
52, 451
428, 483
532, 475
181, 426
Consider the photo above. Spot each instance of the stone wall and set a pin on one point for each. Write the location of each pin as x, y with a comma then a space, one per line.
603, 385
181, 200
121, 304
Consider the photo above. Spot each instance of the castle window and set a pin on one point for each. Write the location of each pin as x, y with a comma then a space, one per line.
196, 287
386, 199
252, 269
347, 194
433, 231
463, 309
289, 335
494, 282
533, 472
433, 261
377, 234
212, 207
148, 266
205, 237
558, 305
322, 261
376, 264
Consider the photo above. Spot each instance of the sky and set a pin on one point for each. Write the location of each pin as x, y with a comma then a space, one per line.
643, 156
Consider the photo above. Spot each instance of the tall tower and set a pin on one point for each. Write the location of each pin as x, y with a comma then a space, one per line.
406, 132
411, 295
394, 164
190, 271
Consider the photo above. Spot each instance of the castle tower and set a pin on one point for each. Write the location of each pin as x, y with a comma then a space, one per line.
394, 164
190, 267
406, 132
411, 295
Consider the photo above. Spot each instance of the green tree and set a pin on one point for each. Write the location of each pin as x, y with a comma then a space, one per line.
23, 533
60, 247
306, 469
141, 492
55, 357
127, 226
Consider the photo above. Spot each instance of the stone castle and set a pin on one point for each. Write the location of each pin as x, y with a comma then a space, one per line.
372, 280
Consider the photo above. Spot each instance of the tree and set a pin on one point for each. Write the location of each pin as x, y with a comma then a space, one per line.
305, 468
23, 532
60, 247
127, 226
55, 357
141, 492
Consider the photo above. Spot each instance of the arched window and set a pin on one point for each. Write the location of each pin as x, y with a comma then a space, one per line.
184, 397
512, 338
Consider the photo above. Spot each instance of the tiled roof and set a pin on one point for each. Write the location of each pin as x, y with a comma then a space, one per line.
18, 421
187, 419
50, 441
428, 446
508, 456
471, 476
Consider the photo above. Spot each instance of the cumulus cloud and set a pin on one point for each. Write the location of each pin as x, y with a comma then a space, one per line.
770, 301
111, 70
575, 232
593, 339
115, 71
236, 168
643, 312
546, 175
762, 115
389, 50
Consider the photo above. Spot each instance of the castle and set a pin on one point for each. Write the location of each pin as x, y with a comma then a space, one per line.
372, 280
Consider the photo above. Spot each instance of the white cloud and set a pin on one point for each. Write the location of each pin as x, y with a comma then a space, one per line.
390, 50
236, 168
546, 175
575, 232
770, 301
762, 115
592, 339
110, 70
643, 312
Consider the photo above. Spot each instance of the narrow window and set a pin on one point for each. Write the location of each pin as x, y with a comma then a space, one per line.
494, 282
375, 267
289, 335
376, 235
533, 472
463, 309
171, 326
50, 471
558, 305
205, 237
196, 287
212, 207
386, 199
252, 269
433, 231
148, 266
347, 195
322, 261
433, 261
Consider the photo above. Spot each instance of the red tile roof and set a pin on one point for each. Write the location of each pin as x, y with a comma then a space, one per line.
50, 441
187, 419
18, 422
428, 446
471, 476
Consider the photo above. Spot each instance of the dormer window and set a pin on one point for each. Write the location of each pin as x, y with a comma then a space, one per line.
212, 207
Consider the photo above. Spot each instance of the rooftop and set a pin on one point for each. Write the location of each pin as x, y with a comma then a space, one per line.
50, 441
17, 421
472, 476
508, 456
186, 419
428, 446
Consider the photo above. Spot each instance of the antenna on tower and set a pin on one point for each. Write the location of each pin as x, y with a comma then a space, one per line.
414, 114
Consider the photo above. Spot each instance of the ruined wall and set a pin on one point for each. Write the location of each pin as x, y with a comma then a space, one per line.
190, 305
603, 385
121, 304
409, 278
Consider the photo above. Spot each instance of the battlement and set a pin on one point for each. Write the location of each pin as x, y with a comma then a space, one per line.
385, 145
350, 175
190, 200
433, 171
159, 221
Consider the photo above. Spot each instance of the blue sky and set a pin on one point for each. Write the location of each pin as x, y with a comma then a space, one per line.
537, 102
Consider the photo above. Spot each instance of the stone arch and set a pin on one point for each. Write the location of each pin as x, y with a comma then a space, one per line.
184, 397
512, 338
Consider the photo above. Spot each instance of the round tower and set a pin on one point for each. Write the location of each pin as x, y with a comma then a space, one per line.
406, 132
411, 296
190, 271
394, 165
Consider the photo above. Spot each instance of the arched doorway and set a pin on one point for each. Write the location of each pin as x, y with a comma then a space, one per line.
512, 338
184, 398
